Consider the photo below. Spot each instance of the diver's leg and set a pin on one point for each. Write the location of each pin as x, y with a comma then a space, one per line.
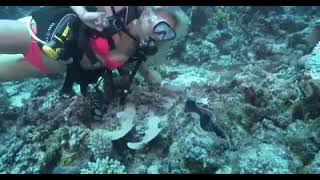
67, 87
15, 67
14, 37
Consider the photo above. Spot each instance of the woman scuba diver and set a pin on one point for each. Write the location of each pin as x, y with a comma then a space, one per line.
26, 45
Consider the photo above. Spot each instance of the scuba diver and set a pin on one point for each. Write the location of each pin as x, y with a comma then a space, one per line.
62, 39
68, 39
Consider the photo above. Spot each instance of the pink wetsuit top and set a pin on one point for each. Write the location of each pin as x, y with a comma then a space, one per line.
99, 45
34, 56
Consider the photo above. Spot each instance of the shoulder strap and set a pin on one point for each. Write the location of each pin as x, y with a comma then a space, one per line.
138, 58
108, 74
122, 24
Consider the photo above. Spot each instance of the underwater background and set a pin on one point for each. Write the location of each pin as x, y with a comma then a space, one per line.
249, 106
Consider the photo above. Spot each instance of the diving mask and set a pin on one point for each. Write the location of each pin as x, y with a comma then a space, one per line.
164, 32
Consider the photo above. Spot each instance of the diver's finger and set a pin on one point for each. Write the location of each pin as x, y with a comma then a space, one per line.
105, 23
98, 28
97, 65
98, 20
93, 15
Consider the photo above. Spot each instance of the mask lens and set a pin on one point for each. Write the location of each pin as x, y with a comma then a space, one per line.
164, 31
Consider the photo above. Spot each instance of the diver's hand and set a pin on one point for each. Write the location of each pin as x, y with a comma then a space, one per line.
95, 20
152, 77
171, 90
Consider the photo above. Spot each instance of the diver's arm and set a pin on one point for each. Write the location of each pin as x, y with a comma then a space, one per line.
118, 55
92, 19
152, 77
79, 10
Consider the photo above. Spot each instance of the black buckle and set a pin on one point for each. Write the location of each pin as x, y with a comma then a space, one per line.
117, 24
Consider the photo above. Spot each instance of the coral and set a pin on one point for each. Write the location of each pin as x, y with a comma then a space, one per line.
262, 158
314, 166
201, 157
198, 18
264, 10
151, 132
78, 111
65, 146
201, 151
4, 100
104, 166
23, 157
100, 144
126, 119
29, 160
289, 24
303, 139
77, 136
32, 133
100, 140
54, 144
266, 131
9, 148
67, 159
8, 113
158, 167
66, 170
307, 106
313, 62
176, 160
223, 15
188, 76
254, 96
153, 170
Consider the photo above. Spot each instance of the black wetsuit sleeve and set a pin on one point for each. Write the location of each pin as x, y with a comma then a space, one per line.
48, 17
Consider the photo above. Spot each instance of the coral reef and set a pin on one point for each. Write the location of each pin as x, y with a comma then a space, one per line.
248, 104
100, 144
104, 166
262, 158
151, 132
313, 168
4, 100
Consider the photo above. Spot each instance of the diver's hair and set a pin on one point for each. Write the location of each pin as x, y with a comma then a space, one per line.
181, 28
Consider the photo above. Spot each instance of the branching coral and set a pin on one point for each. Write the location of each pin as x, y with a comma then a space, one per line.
314, 166
104, 166
265, 158
100, 144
